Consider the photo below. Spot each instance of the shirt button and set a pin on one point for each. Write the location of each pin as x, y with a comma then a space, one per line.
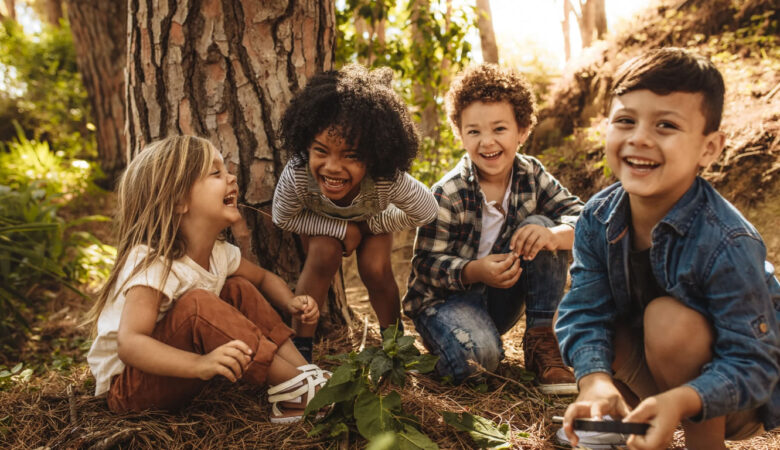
763, 327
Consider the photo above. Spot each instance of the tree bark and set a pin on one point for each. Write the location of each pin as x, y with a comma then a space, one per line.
423, 94
10, 9
100, 40
487, 35
54, 12
566, 28
600, 18
225, 70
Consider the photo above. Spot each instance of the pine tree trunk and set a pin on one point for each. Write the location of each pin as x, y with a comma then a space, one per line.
600, 18
53, 12
100, 39
225, 70
487, 36
10, 9
565, 27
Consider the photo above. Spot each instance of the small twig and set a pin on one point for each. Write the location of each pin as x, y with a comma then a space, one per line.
365, 333
114, 439
72, 404
256, 209
772, 93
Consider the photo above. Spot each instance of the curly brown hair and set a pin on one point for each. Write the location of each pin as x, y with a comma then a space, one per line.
490, 83
365, 111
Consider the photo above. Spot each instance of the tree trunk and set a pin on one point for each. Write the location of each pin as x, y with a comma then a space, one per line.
566, 28
100, 39
587, 23
487, 35
423, 94
54, 12
599, 18
9, 10
226, 71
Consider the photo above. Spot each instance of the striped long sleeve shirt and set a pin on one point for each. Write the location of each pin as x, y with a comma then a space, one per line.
444, 247
385, 205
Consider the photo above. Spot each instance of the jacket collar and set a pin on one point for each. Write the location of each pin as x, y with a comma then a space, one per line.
614, 211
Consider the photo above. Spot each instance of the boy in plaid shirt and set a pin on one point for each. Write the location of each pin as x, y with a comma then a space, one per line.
500, 243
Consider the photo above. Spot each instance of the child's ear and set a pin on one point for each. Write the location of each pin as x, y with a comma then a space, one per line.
713, 146
523, 136
182, 208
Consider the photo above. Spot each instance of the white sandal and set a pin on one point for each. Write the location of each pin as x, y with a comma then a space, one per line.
292, 391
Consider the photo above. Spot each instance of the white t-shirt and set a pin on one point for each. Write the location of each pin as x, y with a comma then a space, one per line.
492, 221
185, 275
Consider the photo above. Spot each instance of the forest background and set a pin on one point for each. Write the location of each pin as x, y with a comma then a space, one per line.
95, 80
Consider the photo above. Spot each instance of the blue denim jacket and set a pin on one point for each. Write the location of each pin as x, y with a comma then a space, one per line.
706, 255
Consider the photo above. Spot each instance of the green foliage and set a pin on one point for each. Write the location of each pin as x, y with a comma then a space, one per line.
484, 432
425, 49
355, 393
36, 244
14, 375
42, 89
27, 160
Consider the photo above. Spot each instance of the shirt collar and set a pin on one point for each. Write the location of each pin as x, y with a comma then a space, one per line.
614, 211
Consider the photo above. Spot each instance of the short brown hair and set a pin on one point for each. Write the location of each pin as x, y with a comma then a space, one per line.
490, 83
671, 69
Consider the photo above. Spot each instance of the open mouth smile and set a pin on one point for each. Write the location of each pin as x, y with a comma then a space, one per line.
230, 199
333, 183
492, 155
640, 163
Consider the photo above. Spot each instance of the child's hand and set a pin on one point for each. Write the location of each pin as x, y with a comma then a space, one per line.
305, 308
500, 270
663, 413
530, 239
352, 238
228, 360
598, 397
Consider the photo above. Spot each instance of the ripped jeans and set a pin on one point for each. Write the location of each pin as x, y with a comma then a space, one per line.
468, 325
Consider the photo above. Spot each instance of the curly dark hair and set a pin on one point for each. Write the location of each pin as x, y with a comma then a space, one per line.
490, 83
363, 109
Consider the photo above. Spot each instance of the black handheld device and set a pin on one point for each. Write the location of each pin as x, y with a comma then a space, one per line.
607, 426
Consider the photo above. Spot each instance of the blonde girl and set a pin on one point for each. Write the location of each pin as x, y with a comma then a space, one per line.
169, 319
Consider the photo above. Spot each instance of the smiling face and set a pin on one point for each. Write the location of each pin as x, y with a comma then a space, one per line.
490, 135
213, 198
336, 167
656, 144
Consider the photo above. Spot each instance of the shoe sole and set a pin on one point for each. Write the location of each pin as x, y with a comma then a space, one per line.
559, 389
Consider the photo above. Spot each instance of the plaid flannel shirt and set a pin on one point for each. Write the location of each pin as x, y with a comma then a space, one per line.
443, 247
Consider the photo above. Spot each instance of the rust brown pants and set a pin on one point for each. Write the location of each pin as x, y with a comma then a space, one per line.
199, 322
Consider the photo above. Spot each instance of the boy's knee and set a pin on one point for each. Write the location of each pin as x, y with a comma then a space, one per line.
538, 220
469, 351
673, 330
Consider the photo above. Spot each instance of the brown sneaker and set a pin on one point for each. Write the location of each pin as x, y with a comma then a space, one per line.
543, 358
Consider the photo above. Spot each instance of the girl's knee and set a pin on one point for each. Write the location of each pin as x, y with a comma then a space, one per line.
192, 301
325, 251
376, 271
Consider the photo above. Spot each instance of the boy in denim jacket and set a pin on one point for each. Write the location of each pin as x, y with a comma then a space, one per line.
499, 244
672, 302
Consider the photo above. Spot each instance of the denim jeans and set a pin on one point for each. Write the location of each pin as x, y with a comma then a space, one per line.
468, 325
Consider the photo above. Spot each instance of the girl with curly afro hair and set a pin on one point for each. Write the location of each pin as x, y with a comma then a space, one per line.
351, 141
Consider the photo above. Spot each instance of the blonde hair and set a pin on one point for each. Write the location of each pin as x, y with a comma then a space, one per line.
156, 182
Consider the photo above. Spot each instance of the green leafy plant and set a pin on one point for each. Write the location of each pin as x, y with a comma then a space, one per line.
43, 89
361, 396
37, 247
483, 431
